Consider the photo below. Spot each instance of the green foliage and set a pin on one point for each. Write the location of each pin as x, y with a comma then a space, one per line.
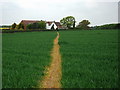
29, 26
89, 59
33, 26
20, 26
68, 21
42, 25
16, 28
108, 26
25, 56
13, 30
8, 31
83, 24
13, 26
37, 25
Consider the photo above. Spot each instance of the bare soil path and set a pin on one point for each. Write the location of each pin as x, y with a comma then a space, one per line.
53, 73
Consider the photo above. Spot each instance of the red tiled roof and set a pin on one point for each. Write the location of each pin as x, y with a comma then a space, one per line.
26, 22
57, 23
49, 22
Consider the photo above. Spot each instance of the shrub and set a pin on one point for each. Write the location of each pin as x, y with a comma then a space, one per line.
37, 25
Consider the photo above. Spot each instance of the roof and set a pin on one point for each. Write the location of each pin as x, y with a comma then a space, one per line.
26, 22
49, 22
57, 23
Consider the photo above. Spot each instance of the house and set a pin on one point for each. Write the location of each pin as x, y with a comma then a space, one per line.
26, 22
49, 24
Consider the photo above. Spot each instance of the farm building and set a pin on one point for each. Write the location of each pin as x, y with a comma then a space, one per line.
49, 24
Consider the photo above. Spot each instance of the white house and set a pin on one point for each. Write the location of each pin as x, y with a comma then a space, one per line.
51, 25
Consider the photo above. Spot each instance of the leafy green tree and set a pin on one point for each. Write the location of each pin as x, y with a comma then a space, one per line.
83, 24
13, 26
68, 21
42, 24
35, 25
16, 27
29, 26
20, 26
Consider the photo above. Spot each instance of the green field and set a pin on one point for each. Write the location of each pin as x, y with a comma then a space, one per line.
25, 56
89, 58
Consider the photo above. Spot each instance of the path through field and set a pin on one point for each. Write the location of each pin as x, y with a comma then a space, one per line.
53, 74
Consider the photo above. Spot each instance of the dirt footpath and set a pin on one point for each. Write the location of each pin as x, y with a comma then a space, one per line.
53, 73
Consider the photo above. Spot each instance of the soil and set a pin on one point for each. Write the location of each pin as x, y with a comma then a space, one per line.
53, 73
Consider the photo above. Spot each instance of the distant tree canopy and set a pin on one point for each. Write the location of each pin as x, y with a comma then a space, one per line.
68, 21
107, 26
83, 24
37, 25
13, 26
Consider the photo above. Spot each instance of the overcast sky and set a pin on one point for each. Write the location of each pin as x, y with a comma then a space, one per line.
98, 12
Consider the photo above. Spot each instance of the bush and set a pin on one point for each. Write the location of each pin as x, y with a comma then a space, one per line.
7, 31
37, 25
12, 30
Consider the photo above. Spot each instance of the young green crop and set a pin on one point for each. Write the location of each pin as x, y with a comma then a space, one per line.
25, 56
89, 58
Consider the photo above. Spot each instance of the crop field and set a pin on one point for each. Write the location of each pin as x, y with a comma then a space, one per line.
89, 59
25, 56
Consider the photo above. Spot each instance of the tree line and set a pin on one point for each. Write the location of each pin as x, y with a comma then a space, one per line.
69, 22
107, 26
